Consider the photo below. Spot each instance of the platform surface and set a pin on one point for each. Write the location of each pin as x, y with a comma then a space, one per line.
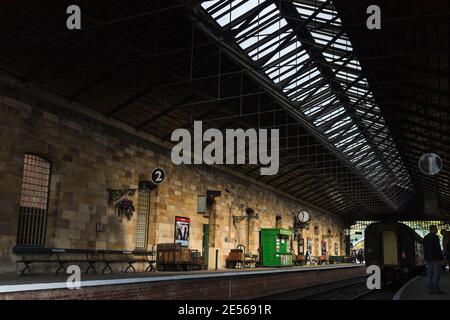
225, 284
40, 281
417, 289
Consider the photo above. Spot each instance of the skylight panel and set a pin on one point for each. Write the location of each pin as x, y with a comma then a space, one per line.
208, 4
354, 145
304, 11
350, 135
305, 85
346, 75
264, 17
265, 48
329, 116
321, 37
311, 111
339, 124
248, 42
284, 72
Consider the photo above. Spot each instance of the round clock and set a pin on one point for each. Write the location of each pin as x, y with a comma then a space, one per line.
303, 216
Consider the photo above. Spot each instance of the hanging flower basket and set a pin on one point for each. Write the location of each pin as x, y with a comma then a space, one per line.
125, 208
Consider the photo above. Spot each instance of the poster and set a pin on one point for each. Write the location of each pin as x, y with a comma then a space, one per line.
324, 248
309, 245
182, 231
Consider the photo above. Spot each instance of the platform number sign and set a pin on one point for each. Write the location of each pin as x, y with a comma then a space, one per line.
158, 176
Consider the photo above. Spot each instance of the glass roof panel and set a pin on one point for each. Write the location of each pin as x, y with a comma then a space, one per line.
298, 73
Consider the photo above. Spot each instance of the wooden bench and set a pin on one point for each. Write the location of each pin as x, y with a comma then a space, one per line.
34, 255
129, 257
335, 259
63, 257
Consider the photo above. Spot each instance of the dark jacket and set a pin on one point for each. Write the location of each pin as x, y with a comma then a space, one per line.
432, 248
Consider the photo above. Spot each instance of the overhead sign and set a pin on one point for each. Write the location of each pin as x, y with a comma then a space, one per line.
158, 176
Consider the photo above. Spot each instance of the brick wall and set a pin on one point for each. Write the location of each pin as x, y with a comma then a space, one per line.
88, 157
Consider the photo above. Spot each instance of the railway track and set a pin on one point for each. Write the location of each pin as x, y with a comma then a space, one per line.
352, 289
341, 291
326, 291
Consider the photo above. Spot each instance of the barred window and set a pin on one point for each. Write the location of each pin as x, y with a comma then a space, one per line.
33, 201
142, 220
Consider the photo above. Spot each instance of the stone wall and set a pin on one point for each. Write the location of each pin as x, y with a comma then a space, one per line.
88, 157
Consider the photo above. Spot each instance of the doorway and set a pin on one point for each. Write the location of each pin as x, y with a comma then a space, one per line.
205, 243
390, 255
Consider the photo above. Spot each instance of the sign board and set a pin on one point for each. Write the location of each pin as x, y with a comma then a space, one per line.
158, 176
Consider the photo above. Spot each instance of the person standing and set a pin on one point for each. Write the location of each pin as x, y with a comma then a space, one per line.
446, 248
353, 256
433, 259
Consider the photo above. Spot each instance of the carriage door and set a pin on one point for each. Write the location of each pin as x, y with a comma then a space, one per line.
390, 254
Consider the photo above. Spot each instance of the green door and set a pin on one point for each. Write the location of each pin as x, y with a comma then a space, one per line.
205, 242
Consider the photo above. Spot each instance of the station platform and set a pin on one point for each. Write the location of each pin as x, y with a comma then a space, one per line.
249, 283
416, 289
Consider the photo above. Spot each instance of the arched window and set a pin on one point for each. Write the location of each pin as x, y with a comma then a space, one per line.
33, 201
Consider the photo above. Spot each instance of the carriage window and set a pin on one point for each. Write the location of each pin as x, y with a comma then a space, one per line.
33, 201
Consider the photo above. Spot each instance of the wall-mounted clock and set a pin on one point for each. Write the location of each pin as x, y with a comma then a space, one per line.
303, 216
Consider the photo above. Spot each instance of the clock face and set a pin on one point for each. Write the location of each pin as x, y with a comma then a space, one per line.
303, 216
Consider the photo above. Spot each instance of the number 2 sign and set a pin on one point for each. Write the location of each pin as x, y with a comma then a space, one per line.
158, 176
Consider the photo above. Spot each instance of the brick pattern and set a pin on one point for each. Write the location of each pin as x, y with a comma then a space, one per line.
220, 288
89, 157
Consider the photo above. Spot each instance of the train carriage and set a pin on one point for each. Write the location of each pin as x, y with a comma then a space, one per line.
395, 247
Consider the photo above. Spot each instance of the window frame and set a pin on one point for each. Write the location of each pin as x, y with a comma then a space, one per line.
47, 204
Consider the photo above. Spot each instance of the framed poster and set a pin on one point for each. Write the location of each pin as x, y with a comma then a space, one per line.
301, 246
182, 229
309, 245
324, 248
